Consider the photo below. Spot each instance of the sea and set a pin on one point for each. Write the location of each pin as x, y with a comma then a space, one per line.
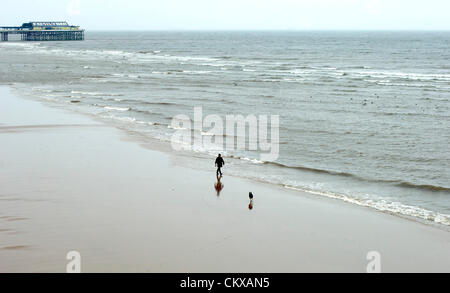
364, 116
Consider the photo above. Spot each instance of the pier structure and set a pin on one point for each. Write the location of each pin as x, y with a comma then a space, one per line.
43, 31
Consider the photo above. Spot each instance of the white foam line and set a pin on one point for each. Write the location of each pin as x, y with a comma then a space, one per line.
385, 206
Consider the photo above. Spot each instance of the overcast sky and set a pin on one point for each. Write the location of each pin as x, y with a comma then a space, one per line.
234, 14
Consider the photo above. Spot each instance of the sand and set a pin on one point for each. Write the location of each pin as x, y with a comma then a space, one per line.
68, 182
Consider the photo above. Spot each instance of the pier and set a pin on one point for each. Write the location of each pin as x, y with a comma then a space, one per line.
43, 31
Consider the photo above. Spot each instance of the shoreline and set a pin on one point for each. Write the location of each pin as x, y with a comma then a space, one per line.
413, 213
143, 211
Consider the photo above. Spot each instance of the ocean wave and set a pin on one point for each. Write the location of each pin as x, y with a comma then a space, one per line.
49, 91
136, 56
128, 109
141, 102
346, 90
148, 112
393, 182
149, 52
428, 187
384, 206
119, 118
96, 94
277, 164
197, 71
146, 123
354, 67
409, 114
117, 108
390, 83
126, 75
215, 64
254, 161
178, 128
405, 75
95, 76
27, 45
131, 120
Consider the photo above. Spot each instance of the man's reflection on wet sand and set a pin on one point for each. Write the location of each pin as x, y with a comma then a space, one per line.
218, 186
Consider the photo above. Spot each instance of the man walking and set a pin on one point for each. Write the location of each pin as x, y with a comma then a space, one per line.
219, 164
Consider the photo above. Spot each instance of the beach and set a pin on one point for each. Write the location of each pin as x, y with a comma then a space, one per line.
369, 127
72, 183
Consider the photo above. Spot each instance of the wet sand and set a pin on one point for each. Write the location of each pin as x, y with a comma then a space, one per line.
71, 183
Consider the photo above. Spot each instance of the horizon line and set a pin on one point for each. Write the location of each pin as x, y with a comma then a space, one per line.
269, 30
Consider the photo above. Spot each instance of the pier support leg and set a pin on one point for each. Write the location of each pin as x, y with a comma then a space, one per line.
4, 37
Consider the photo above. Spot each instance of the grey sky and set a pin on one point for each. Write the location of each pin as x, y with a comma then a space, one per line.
234, 14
